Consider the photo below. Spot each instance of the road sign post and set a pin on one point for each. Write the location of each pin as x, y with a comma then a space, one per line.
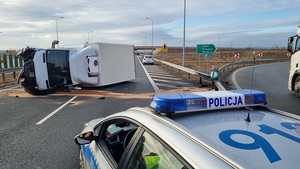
165, 49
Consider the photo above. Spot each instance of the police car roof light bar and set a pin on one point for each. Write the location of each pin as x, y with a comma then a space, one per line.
200, 101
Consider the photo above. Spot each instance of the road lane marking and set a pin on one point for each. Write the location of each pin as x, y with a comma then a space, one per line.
234, 81
55, 111
233, 77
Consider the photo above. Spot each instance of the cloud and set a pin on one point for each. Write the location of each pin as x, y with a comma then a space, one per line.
29, 22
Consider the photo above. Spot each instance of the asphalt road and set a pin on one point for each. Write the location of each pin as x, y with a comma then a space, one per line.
273, 80
37, 132
25, 142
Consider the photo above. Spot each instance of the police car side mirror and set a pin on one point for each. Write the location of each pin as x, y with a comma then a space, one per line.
84, 138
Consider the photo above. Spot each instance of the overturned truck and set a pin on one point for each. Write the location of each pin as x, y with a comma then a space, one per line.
46, 71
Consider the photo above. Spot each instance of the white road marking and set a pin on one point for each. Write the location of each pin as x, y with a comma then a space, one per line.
233, 78
55, 111
235, 83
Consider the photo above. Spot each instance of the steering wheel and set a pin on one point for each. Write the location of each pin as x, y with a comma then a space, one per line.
128, 138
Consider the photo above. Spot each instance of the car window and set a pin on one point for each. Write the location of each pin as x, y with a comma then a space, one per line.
151, 154
297, 45
115, 136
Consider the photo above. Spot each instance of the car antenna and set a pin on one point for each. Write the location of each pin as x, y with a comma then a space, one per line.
248, 119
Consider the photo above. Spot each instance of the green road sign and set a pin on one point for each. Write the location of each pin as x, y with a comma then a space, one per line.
206, 49
215, 74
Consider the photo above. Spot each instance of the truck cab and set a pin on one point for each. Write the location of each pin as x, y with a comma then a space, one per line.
46, 71
294, 74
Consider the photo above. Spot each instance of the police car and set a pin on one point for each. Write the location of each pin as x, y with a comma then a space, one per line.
219, 129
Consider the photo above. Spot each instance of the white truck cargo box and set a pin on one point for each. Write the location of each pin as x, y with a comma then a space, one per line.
116, 63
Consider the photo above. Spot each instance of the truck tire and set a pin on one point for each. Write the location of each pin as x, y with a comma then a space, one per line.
297, 86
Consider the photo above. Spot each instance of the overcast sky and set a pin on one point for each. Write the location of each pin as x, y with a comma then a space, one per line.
236, 23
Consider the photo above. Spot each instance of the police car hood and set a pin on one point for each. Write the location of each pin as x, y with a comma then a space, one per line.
265, 140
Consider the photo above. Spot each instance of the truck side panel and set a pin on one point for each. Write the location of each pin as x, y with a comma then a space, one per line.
116, 63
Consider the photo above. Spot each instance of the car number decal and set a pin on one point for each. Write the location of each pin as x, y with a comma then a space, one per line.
259, 141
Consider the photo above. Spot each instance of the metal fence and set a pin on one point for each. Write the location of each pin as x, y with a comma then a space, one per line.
10, 63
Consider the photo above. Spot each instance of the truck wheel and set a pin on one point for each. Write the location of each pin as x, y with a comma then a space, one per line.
297, 86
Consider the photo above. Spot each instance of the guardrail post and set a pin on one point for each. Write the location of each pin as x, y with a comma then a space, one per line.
3, 77
14, 74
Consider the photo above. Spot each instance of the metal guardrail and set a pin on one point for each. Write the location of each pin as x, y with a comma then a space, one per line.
234, 65
224, 68
187, 70
9, 70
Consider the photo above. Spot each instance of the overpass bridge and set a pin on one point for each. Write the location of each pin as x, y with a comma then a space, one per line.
147, 49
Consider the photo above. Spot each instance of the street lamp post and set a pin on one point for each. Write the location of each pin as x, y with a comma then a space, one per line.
152, 32
57, 28
183, 50
220, 47
89, 35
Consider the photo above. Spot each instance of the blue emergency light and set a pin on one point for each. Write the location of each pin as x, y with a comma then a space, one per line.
199, 101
